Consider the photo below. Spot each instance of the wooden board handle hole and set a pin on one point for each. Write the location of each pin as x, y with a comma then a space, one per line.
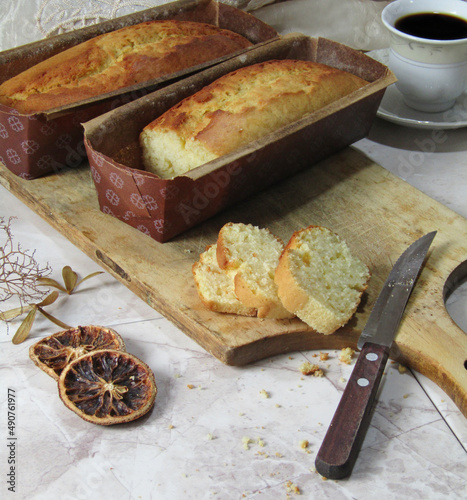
455, 285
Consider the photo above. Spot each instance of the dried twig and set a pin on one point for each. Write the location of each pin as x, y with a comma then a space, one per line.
19, 270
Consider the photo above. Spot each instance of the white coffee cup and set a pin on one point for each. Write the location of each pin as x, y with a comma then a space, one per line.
431, 74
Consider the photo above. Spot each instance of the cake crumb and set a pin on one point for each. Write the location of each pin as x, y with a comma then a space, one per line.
304, 444
190, 386
346, 355
292, 488
401, 368
308, 368
323, 356
264, 393
246, 442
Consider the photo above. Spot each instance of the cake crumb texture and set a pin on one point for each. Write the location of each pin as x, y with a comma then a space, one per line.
216, 287
251, 255
319, 280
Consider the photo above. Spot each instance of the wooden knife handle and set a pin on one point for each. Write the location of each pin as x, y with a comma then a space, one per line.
340, 446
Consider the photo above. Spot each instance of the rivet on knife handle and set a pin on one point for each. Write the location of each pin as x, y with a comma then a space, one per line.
344, 437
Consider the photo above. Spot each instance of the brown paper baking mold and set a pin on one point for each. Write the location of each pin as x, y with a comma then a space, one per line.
164, 208
35, 145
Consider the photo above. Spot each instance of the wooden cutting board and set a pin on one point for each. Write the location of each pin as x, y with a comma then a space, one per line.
377, 214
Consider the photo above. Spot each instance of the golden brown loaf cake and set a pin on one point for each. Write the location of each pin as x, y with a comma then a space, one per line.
251, 254
238, 108
118, 59
216, 287
319, 280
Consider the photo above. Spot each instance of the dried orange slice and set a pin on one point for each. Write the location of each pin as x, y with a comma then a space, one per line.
108, 387
54, 352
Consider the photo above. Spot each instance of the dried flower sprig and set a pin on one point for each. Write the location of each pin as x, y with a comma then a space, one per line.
25, 328
21, 275
70, 280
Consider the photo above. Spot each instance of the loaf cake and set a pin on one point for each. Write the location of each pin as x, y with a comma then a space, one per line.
216, 287
251, 254
118, 59
319, 280
238, 108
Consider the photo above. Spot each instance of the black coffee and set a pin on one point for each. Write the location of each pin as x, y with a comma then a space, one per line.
433, 26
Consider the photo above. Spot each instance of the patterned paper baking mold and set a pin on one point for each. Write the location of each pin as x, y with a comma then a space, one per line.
32, 146
164, 208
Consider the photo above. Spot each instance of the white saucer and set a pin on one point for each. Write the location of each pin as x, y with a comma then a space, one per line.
394, 109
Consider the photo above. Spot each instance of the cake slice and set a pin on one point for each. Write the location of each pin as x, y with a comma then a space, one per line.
319, 280
216, 287
250, 255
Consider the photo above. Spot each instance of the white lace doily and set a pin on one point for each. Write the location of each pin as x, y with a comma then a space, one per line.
24, 21
57, 16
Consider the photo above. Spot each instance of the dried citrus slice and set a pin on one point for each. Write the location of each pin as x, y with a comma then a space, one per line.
108, 387
54, 352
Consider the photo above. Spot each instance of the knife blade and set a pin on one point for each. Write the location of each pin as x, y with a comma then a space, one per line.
339, 449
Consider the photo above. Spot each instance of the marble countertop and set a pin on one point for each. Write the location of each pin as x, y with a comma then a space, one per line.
192, 444
212, 434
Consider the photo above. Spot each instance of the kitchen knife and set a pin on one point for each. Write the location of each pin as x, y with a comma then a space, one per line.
338, 452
